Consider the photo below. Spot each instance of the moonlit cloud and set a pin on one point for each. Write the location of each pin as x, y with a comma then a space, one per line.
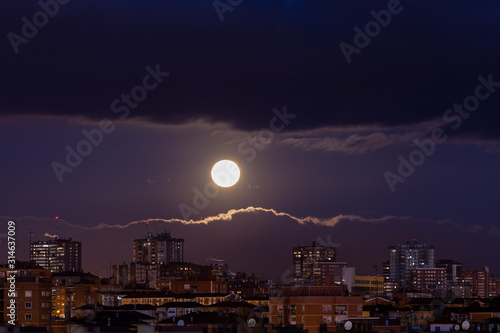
330, 222
215, 259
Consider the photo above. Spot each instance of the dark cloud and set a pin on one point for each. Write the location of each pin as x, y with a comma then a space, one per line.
263, 55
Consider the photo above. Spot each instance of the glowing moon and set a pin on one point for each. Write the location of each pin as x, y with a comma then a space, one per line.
225, 173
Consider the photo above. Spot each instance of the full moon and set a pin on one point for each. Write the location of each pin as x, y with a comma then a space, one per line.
225, 173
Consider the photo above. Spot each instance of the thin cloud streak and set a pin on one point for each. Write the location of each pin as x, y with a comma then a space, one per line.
330, 222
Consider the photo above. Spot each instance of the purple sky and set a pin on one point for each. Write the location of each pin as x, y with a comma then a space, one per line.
227, 87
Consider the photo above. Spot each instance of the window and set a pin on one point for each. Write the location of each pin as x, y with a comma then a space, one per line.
27, 316
341, 309
28, 293
27, 305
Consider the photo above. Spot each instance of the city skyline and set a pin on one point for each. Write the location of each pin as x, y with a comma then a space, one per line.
283, 266
320, 290
365, 124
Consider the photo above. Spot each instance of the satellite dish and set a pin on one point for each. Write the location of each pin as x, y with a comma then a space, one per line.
348, 325
466, 325
180, 323
457, 328
251, 322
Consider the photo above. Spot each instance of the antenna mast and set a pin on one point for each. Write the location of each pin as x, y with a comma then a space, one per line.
57, 220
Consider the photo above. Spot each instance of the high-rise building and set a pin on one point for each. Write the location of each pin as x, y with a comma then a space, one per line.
159, 249
57, 255
484, 284
305, 259
453, 271
404, 257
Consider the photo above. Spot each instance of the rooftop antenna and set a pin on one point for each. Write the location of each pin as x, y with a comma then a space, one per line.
57, 220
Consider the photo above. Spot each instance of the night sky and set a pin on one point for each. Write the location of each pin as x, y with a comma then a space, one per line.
360, 123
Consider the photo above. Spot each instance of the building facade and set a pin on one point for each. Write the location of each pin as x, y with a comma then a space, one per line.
306, 259
193, 287
368, 285
453, 271
32, 295
158, 298
57, 255
423, 279
64, 292
329, 273
404, 257
484, 284
159, 249
314, 311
